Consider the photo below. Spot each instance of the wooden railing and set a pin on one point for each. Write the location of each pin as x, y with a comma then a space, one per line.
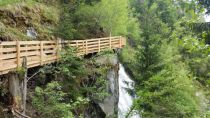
44, 52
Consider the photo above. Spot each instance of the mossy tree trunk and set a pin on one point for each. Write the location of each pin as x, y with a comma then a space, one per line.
18, 87
15, 90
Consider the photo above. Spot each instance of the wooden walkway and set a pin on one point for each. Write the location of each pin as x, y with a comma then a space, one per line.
44, 52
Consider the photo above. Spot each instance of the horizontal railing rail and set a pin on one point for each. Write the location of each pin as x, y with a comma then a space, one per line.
44, 52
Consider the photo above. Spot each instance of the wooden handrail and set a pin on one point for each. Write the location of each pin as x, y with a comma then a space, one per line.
44, 52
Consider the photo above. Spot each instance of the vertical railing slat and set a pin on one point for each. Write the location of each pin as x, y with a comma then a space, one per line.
1, 54
120, 42
110, 43
86, 47
77, 47
77, 44
83, 47
58, 48
18, 53
41, 53
99, 45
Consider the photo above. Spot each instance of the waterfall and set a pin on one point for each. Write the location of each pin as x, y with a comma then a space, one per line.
125, 99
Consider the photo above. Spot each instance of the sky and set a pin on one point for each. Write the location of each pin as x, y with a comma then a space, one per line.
207, 18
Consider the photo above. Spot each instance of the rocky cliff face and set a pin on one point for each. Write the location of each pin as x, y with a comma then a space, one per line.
108, 107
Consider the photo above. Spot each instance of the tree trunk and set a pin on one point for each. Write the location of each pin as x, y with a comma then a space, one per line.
24, 84
18, 88
15, 90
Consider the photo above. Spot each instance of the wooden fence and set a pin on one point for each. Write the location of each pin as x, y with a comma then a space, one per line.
44, 52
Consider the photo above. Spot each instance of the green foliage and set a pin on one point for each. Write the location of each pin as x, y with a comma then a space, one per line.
62, 96
11, 2
205, 4
51, 2
75, 82
107, 52
80, 19
206, 36
66, 28
3, 90
74, 25
6, 2
128, 58
114, 16
170, 92
195, 52
21, 71
164, 82
154, 32
166, 95
70, 71
70, 66
49, 101
96, 92
43, 18
165, 47
96, 86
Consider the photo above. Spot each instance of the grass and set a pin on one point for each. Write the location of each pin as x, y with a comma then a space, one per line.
15, 33
43, 17
10, 2
6, 2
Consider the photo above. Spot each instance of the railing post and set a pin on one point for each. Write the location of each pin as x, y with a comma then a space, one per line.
83, 47
86, 47
58, 48
110, 43
77, 47
41, 52
26, 45
77, 44
120, 42
18, 53
99, 45
1, 55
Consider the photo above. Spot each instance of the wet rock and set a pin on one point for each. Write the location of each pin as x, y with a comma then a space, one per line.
107, 60
31, 33
110, 104
94, 111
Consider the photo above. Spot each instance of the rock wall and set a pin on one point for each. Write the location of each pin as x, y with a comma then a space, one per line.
110, 103
108, 107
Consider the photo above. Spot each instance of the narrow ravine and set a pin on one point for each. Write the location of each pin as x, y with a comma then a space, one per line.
125, 99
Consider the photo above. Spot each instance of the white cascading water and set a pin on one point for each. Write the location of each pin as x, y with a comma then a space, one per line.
125, 99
